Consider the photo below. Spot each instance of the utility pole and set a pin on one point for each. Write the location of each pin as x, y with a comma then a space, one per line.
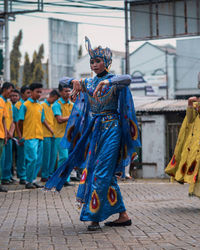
166, 72
127, 65
7, 56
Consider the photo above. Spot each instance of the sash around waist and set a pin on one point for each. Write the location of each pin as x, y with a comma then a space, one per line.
106, 116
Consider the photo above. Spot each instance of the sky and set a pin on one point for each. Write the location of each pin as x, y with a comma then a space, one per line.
103, 27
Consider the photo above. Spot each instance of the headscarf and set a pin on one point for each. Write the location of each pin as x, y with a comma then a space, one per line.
106, 53
65, 82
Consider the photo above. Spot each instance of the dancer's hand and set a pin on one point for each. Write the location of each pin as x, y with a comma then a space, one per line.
191, 100
76, 88
98, 90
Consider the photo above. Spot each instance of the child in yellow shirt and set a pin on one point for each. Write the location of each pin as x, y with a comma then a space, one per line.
20, 163
3, 131
49, 139
6, 157
62, 109
31, 118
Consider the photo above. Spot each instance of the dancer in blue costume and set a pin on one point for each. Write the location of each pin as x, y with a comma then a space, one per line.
101, 136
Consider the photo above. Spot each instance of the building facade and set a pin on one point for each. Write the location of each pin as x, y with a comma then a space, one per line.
187, 68
159, 122
153, 71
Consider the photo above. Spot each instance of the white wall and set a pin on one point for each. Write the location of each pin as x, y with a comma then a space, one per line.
82, 67
146, 59
153, 145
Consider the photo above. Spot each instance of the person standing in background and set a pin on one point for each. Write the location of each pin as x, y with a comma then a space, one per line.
6, 157
20, 163
49, 140
3, 133
61, 109
14, 96
31, 117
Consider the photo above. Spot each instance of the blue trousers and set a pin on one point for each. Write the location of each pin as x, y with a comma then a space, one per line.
21, 167
6, 161
1, 151
33, 150
62, 154
48, 163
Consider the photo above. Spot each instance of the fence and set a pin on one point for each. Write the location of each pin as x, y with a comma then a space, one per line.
171, 138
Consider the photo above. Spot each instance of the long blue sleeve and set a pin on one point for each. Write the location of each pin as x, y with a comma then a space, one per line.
120, 80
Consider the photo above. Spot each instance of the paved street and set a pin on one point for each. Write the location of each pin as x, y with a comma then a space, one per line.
163, 217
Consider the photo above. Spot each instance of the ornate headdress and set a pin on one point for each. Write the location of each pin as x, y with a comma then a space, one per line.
106, 53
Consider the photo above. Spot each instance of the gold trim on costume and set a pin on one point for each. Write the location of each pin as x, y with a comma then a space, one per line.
112, 196
77, 137
86, 151
133, 156
83, 176
95, 202
134, 130
125, 152
69, 133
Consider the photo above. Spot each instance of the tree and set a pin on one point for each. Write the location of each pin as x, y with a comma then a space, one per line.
80, 52
40, 54
15, 57
27, 75
38, 73
33, 63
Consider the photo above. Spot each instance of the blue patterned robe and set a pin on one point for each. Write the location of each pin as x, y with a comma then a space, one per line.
101, 138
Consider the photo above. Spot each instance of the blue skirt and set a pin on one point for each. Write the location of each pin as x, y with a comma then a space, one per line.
98, 188
99, 151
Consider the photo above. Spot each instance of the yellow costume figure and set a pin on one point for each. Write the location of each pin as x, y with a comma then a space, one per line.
185, 162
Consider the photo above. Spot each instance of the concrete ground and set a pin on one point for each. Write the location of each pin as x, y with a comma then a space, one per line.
163, 217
